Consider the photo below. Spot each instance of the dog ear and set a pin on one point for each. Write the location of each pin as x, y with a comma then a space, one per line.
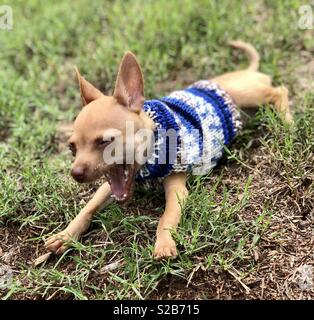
129, 89
88, 92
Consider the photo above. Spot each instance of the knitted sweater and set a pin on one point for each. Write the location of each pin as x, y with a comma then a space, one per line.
202, 120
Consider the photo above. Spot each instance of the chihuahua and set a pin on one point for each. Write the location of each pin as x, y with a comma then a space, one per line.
208, 106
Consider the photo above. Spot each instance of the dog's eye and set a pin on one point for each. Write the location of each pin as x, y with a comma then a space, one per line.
72, 148
100, 142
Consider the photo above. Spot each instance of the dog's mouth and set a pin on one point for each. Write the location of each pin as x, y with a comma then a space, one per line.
121, 180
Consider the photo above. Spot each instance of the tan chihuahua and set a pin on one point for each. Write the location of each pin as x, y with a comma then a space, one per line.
109, 114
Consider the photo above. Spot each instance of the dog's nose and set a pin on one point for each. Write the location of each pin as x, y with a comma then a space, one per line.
78, 173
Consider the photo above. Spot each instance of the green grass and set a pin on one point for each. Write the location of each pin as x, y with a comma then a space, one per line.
38, 91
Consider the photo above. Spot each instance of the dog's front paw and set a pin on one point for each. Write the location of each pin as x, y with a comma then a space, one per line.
165, 248
60, 242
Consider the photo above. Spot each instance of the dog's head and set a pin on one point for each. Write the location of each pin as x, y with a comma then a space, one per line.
101, 129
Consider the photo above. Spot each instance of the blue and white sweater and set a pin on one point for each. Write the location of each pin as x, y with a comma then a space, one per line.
203, 118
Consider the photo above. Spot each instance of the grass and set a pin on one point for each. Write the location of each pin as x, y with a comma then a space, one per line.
241, 224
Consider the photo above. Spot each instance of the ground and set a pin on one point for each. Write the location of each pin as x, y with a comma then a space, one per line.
247, 228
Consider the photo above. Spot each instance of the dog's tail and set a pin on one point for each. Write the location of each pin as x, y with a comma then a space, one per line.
251, 52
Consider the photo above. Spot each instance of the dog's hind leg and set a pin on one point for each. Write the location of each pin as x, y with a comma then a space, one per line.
250, 88
248, 94
278, 97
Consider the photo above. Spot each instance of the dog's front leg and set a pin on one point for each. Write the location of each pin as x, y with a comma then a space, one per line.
61, 241
175, 192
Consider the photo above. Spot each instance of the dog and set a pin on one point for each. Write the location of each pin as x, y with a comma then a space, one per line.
109, 114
